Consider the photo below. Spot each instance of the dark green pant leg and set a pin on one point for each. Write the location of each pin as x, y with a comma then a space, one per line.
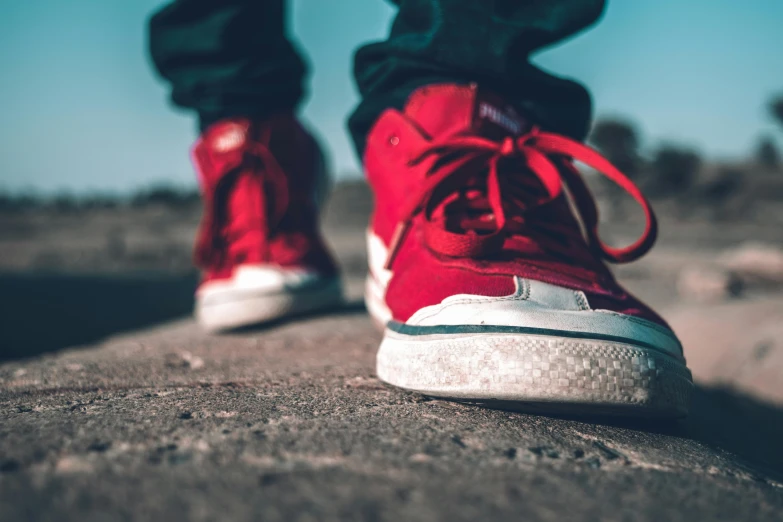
227, 57
486, 41
232, 57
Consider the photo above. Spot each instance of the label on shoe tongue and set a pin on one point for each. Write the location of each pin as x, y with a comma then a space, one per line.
495, 118
507, 120
449, 108
229, 137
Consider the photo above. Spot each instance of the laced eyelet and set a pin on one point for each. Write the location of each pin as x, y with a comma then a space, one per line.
547, 157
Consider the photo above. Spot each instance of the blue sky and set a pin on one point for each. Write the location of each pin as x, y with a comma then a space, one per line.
82, 111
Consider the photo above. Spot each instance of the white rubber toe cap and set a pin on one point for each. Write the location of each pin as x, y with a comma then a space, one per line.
269, 279
538, 306
261, 293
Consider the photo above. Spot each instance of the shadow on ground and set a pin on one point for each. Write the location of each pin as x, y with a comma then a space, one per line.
720, 417
747, 427
44, 313
730, 421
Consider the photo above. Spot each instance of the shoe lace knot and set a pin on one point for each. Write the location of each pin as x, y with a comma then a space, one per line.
478, 192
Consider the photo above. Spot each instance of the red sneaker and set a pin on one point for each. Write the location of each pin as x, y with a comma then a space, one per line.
259, 244
488, 287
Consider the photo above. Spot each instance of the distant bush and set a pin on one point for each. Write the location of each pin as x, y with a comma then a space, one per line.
767, 154
673, 170
618, 140
166, 196
776, 109
66, 202
726, 183
19, 202
97, 201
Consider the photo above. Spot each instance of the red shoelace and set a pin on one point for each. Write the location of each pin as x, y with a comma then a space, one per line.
223, 235
479, 192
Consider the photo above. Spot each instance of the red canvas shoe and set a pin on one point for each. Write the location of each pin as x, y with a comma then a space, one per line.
259, 245
488, 287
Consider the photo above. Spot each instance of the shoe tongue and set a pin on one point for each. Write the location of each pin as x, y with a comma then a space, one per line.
447, 109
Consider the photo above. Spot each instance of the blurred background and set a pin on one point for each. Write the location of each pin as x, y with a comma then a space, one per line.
98, 203
84, 113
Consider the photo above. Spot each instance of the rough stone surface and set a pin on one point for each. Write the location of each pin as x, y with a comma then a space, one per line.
144, 417
275, 426
708, 284
754, 262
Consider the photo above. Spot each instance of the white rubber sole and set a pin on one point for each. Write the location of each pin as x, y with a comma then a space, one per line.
555, 373
544, 373
237, 308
